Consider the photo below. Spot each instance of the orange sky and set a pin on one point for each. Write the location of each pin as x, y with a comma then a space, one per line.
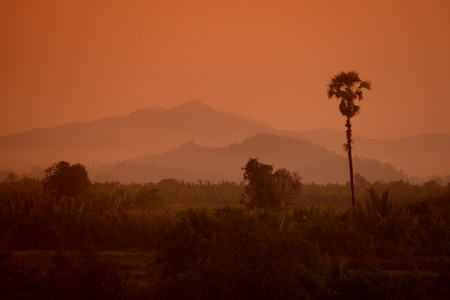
76, 61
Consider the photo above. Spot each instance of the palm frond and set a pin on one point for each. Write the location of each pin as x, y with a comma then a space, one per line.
356, 109
365, 85
347, 87
359, 94
343, 108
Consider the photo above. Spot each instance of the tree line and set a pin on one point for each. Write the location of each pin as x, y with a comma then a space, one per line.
270, 236
52, 213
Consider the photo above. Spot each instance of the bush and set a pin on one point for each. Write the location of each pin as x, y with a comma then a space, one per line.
334, 234
231, 253
376, 283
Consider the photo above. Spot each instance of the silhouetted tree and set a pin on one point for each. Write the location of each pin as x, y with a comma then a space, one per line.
267, 189
260, 185
63, 179
347, 87
288, 188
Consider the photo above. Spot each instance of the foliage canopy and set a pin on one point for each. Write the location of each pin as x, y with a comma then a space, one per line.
62, 179
266, 189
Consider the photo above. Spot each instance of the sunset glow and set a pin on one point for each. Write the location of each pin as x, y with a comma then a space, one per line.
224, 149
79, 61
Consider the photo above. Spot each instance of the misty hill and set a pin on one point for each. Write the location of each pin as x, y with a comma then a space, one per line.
192, 162
109, 140
418, 156
152, 131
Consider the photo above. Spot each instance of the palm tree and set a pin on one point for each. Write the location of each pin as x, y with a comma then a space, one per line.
347, 87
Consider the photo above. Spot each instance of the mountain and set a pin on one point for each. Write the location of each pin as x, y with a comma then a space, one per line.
109, 140
192, 162
418, 156
153, 131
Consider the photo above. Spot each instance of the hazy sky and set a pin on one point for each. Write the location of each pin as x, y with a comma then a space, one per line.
76, 61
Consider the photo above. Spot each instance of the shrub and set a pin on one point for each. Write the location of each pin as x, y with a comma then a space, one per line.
235, 254
376, 283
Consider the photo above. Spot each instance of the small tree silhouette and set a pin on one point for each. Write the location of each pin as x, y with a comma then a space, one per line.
265, 189
62, 179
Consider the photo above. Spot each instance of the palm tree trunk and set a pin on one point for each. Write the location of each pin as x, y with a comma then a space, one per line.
350, 161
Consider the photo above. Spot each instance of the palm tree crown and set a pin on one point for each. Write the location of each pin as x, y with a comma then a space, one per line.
347, 87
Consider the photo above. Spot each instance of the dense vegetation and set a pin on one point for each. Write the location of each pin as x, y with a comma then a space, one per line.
210, 247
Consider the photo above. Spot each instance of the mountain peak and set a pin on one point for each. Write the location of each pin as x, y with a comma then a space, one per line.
193, 105
193, 102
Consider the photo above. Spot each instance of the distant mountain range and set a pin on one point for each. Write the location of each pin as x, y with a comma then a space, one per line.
158, 136
421, 156
109, 140
192, 162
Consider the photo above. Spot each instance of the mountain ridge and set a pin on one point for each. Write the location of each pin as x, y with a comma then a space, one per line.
192, 162
155, 130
